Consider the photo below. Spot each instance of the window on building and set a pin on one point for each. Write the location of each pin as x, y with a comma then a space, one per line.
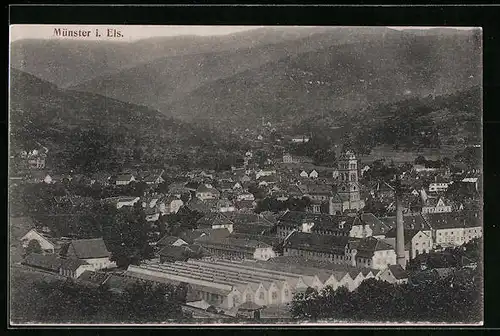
261, 296
249, 297
274, 295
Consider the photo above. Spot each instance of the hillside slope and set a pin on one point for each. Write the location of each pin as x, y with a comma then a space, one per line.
88, 132
70, 62
337, 79
158, 83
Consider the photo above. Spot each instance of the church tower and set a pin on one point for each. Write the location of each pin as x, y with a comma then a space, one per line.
348, 185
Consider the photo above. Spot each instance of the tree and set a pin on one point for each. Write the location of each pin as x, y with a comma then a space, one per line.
456, 298
125, 233
420, 160
181, 292
33, 247
66, 301
146, 302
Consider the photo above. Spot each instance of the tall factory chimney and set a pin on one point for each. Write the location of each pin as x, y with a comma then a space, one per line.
400, 230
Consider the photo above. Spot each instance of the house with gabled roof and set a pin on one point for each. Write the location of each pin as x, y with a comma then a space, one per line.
125, 179
48, 262
416, 242
47, 244
436, 205
152, 178
365, 225
394, 274
73, 268
319, 223
452, 229
215, 220
237, 248
195, 204
92, 251
171, 241
173, 253
370, 252
207, 192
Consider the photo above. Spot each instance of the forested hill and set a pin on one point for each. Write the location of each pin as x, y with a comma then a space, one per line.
90, 132
70, 62
336, 79
427, 122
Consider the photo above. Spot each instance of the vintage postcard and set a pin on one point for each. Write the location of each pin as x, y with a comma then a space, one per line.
196, 175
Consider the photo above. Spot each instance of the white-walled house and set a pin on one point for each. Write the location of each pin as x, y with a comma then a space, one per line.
394, 274
125, 179
207, 192
170, 205
92, 251
416, 241
45, 243
246, 196
126, 201
436, 205
73, 268
449, 229
439, 186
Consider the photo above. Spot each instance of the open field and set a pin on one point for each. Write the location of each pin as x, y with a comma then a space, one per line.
24, 297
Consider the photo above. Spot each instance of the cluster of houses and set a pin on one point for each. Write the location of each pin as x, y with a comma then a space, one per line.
364, 240
67, 258
233, 258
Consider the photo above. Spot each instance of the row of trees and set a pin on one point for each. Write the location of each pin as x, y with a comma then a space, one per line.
453, 299
66, 301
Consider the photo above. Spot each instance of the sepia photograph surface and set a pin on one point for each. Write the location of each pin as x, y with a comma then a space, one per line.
225, 175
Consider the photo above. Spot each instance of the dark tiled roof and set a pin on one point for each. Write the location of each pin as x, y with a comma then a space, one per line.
270, 240
452, 220
378, 227
124, 177
366, 247
319, 243
398, 272
50, 261
408, 234
245, 204
167, 240
253, 228
214, 218
410, 222
90, 248
72, 263
215, 233
203, 188
176, 252
231, 243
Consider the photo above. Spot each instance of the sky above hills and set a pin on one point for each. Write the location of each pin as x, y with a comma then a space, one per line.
133, 33
130, 32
